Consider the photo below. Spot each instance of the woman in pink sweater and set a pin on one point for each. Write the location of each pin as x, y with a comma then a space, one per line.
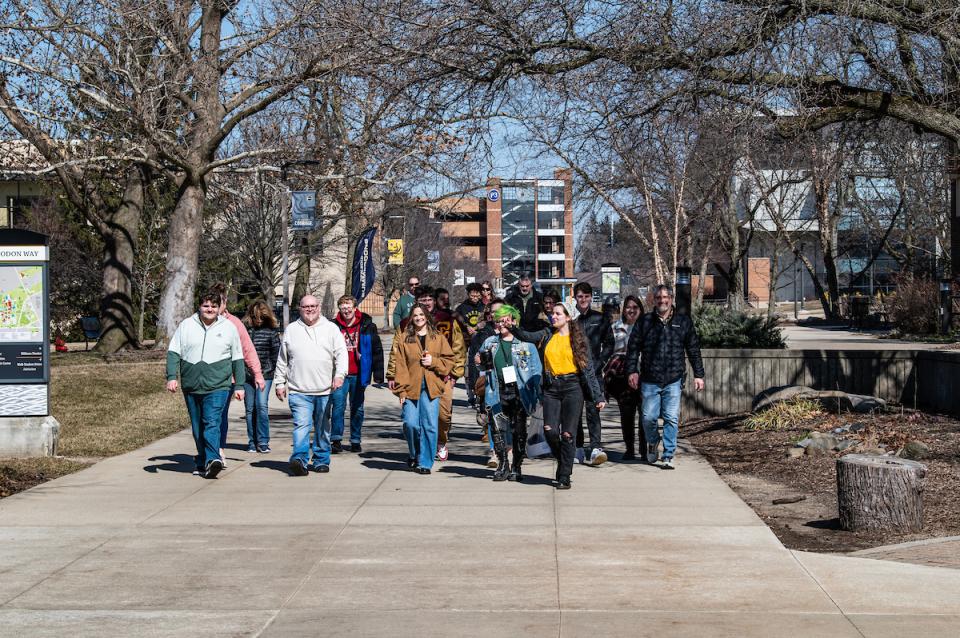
250, 358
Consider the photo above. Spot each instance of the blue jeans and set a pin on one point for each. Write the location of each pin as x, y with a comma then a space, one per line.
420, 427
661, 401
205, 412
307, 410
223, 418
258, 417
355, 390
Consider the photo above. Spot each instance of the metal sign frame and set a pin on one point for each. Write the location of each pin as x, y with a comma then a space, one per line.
16, 247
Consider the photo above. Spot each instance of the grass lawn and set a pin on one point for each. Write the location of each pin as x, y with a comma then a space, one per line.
104, 409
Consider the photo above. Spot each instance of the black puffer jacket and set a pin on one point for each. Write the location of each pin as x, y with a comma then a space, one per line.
599, 334
266, 341
660, 348
530, 313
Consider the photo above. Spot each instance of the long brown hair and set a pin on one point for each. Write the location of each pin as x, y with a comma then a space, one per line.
578, 341
410, 331
259, 315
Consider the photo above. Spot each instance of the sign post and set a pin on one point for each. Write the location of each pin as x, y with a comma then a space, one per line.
26, 426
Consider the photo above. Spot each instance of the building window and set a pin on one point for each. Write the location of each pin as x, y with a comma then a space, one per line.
551, 270
550, 194
552, 245
16, 211
550, 219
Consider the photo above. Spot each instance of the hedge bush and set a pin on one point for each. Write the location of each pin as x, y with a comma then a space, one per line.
720, 327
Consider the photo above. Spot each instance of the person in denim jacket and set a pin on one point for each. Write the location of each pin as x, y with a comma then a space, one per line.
512, 392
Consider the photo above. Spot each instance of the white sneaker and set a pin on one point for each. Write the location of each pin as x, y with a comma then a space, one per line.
579, 456
667, 464
652, 454
598, 457
492, 461
442, 453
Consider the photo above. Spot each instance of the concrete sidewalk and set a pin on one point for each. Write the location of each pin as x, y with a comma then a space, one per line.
135, 545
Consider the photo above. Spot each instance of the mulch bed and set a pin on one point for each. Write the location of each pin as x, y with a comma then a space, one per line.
17, 475
755, 465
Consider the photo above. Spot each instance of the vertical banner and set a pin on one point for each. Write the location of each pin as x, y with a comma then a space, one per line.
363, 270
395, 252
433, 261
303, 208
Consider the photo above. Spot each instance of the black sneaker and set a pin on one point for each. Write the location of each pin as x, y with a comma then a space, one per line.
321, 469
251, 448
297, 468
336, 447
213, 468
563, 484
422, 470
356, 448
411, 463
264, 449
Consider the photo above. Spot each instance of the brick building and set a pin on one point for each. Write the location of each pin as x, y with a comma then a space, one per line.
517, 226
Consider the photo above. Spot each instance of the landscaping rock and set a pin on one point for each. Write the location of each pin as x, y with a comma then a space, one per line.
770, 396
846, 444
795, 452
865, 404
873, 450
831, 400
914, 450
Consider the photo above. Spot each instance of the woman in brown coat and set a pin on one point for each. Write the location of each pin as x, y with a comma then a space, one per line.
422, 358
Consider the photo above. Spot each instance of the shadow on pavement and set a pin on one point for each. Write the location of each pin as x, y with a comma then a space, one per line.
182, 463
278, 466
379, 460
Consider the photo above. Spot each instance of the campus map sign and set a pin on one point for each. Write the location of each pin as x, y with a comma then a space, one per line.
24, 324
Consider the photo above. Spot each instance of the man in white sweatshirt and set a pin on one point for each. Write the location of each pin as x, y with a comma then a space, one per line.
312, 363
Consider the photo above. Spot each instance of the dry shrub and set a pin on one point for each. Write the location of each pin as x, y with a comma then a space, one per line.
784, 415
915, 307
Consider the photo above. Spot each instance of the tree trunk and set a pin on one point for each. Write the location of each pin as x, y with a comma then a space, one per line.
880, 493
183, 253
120, 247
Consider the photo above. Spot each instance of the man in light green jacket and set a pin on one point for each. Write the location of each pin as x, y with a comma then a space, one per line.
205, 352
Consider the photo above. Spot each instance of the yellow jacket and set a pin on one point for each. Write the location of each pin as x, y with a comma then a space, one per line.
408, 374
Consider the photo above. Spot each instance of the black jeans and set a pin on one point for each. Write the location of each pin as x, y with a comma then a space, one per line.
562, 405
516, 417
629, 401
593, 427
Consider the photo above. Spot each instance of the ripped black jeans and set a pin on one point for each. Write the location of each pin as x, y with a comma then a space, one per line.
562, 404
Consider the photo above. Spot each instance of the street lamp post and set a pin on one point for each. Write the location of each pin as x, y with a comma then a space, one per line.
284, 231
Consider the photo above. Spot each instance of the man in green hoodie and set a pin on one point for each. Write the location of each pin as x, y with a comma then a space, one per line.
205, 352
402, 310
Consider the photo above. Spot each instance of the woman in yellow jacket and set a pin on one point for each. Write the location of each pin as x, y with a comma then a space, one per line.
422, 359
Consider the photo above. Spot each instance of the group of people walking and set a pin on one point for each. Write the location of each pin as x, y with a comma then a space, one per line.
523, 356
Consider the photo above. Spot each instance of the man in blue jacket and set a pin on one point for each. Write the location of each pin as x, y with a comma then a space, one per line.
365, 364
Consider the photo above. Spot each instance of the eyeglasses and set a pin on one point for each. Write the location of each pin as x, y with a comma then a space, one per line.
312, 307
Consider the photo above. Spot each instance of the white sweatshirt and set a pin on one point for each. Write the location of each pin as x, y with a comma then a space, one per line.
310, 357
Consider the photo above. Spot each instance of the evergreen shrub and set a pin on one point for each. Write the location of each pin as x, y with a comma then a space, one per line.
719, 327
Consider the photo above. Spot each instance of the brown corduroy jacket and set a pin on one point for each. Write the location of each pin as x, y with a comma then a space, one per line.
409, 374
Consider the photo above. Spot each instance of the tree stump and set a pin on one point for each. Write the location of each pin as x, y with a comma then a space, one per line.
880, 493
